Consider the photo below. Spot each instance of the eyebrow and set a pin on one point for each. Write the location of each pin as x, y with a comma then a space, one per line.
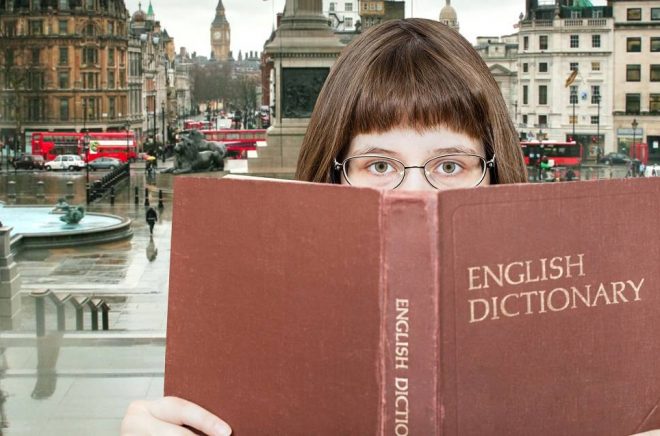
440, 150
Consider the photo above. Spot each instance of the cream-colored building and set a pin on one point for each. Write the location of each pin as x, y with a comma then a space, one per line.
501, 56
555, 40
637, 74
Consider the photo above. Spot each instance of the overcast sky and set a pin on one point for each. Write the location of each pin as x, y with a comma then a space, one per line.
189, 21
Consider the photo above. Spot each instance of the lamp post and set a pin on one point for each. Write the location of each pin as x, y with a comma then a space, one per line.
162, 109
86, 141
128, 146
634, 126
599, 152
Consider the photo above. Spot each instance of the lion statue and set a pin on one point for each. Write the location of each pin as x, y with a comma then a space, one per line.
193, 153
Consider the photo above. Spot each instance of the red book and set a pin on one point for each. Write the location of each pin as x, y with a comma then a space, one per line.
301, 309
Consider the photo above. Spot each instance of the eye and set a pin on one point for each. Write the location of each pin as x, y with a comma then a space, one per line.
447, 167
380, 167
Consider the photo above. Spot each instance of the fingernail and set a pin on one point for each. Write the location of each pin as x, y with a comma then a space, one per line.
222, 429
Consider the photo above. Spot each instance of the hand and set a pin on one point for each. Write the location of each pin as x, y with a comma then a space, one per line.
167, 416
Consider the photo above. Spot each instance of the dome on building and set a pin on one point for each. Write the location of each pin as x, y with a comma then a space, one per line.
139, 15
448, 13
448, 16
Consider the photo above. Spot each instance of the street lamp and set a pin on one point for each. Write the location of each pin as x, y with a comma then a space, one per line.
162, 109
128, 156
86, 141
600, 151
634, 126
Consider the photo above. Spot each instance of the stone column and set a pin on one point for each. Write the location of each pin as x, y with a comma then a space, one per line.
10, 282
303, 50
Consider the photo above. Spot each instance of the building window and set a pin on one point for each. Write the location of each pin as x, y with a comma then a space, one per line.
36, 27
655, 44
348, 22
576, 14
573, 94
526, 43
543, 42
36, 56
595, 94
348, 7
35, 80
655, 73
595, 41
10, 28
111, 79
89, 29
332, 6
633, 45
524, 119
572, 119
597, 13
595, 119
112, 107
111, 57
111, 27
63, 79
64, 109
525, 67
90, 4
64, 5
63, 27
633, 73
90, 55
543, 121
573, 66
90, 80
632, 103
122, 79
64, 56
35, 109
654, 103
655, 14
9, 57
634, 14
575, 41
525, 94
595, 66
543, 67
543, 94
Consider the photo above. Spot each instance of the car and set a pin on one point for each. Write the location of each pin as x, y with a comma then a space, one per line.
104, 163
614, 158
29, 162
71, 162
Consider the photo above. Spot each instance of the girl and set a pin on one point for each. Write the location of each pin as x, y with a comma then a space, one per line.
408, 105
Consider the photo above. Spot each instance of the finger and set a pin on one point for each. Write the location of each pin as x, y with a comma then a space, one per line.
182, 412
162, 428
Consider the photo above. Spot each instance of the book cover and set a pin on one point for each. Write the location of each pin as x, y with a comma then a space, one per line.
299, 308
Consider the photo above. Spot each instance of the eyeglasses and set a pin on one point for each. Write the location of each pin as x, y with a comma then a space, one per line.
449, 171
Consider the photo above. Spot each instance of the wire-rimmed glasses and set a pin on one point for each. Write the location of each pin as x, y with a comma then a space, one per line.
449, 171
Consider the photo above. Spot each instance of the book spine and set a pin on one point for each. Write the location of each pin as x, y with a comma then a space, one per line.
409, 316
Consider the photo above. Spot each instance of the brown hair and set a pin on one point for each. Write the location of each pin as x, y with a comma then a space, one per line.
414, 73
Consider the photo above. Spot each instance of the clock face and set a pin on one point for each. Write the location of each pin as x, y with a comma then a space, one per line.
216, 35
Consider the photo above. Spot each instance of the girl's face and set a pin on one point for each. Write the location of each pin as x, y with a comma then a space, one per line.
415, 149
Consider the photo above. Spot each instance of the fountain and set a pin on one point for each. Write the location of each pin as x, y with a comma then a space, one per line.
44, 227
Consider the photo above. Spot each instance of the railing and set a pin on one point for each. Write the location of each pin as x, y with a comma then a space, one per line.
94, 304
107, 184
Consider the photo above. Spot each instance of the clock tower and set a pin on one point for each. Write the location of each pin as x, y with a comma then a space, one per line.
220, 34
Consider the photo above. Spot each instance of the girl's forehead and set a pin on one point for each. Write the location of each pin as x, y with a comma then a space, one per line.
408, 140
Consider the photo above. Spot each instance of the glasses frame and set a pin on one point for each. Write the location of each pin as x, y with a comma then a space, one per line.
487, 164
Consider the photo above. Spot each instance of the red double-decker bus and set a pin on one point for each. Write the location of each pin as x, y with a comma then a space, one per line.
120, 145
238, 142
559, 154
197, 125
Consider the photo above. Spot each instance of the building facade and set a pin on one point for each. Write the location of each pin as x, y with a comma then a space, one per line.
220, 35
344, 15
63, 67
501, 56
449, 17
373, 13
565, 74
637, 74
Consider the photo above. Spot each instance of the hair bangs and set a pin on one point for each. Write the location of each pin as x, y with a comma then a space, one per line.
412, 87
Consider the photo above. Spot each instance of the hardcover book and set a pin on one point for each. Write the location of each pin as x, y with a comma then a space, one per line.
298, 308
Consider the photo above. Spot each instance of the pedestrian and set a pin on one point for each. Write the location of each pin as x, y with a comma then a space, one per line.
629, 169
152, 217
642, 168
570, 175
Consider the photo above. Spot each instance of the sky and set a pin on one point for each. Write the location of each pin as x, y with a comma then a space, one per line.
251, 21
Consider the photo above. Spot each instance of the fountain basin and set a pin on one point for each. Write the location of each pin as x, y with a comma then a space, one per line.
37, 227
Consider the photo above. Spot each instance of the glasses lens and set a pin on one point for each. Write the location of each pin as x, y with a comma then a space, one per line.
455, 171
373, 171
